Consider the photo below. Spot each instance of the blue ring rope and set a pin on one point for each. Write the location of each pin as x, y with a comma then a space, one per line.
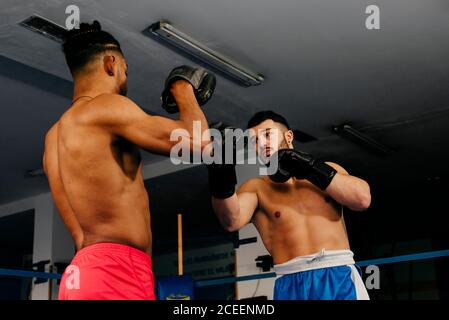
408, 257
31, 274
225, 280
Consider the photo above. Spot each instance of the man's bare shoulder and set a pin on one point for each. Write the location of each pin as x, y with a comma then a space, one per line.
107, 109
51, 133
252, 185
109, 102
113, 98
50, 140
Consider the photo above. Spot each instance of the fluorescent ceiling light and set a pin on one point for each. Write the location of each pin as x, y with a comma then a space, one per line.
346, 131
164, 31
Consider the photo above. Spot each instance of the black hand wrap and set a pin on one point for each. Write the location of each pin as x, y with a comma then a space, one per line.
222, 177
301, 165
202, 81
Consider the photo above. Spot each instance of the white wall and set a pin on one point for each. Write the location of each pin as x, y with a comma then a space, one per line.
42, 247
51, 239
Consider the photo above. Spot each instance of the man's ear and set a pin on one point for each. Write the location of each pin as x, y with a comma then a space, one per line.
289, 136
110, 66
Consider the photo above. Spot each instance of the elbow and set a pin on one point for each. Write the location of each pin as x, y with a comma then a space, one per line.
231, 228
231, 225
364, 199
365, 202
228, 213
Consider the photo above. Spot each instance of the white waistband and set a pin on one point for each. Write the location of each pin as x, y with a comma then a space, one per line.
322, 259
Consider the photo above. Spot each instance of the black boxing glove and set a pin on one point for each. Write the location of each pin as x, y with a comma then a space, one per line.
301, 165
222, 177
202, 81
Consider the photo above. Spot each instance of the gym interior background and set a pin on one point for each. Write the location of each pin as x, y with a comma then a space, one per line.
322, 69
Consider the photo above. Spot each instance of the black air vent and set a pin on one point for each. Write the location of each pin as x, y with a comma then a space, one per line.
44, 27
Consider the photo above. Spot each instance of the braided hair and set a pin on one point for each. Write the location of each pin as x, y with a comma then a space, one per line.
82, 45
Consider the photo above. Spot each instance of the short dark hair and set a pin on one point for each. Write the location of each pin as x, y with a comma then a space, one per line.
261, 116
83, 44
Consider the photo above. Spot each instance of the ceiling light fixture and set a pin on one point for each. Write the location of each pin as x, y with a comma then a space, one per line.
164, 31
347, 131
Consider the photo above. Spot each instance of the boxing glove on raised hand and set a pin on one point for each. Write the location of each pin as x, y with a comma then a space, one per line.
301, 165
203, 83
222, 176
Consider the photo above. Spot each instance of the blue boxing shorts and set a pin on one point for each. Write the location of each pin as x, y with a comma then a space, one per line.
326, 275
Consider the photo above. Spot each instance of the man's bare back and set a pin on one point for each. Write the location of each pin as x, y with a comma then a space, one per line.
94, 168
102, 181
93, 164
296, 218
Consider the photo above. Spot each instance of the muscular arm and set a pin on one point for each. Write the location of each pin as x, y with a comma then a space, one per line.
348, 190
51, 169
124, 118
236, 211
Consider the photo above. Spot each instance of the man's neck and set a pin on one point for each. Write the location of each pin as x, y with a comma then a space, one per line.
92, 87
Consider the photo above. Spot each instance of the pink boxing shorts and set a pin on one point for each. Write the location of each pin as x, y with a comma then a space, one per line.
108, 271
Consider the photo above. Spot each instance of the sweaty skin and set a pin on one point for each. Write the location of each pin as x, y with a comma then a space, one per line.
100, 175
93, 164
294, 218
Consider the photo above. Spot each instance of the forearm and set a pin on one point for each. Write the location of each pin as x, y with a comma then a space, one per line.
227, 211
347, 190
190, 112
350, 191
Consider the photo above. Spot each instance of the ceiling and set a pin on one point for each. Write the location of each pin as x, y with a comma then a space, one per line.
322, 68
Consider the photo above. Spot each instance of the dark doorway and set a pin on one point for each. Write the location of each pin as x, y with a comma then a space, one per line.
16, 252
